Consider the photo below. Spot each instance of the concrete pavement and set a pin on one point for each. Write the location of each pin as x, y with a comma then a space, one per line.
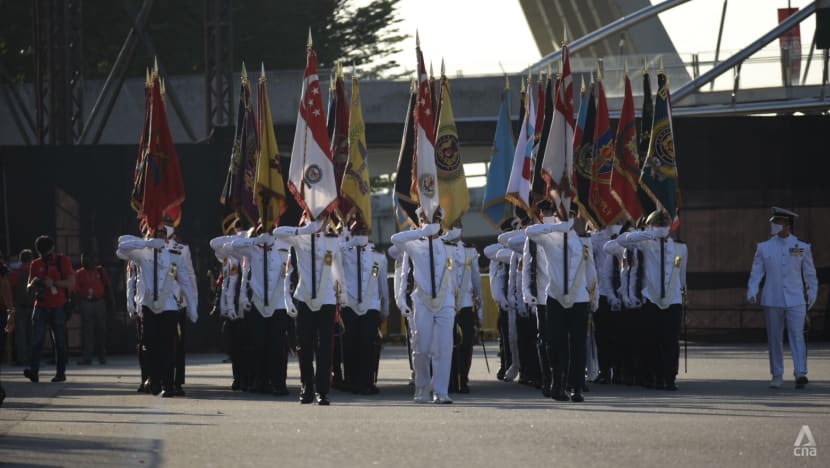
723, 415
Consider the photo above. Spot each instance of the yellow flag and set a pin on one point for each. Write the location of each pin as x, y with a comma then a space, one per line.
356, 197
269, 191
454, 197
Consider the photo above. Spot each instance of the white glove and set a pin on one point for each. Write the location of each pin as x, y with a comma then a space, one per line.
405, 311
504, 305
193, 315
266, 238
431, 229
615, 304
636, 303
533, 301
661, 231
751, 298
230, 315
811, 301
155, 243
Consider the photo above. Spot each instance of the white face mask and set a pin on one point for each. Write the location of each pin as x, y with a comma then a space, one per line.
662, 231
168, 231
453, 234
615, 229
774, 229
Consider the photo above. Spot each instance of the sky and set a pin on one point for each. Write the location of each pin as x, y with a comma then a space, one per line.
479, 37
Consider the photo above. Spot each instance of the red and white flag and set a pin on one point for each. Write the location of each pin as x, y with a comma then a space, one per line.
518, 186
425, 180
311, 173
558, 163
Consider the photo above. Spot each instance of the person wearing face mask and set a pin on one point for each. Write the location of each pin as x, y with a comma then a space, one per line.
498, 274
785, 263
571, 291
468, 312
51, 277
610, 304
164, 267
664, 285
92, 285
433, 300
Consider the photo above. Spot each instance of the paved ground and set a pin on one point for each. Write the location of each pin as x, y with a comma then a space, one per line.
723, 415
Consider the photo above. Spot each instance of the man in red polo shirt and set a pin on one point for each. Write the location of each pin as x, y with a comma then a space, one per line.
92, 283
51, 276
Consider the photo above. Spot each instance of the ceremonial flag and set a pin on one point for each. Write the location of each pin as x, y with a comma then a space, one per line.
311, 173
340, 137
355, 201
537, 186
425, 185
583, 145
163, 184
238, 193
403, 202
452, 183
495, 207
646, 120
624, 178
606, 208
659, 173
518, 187
557, 165
137, 195
270, 187
330, 106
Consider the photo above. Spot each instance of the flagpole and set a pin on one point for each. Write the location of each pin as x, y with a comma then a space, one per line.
432, 266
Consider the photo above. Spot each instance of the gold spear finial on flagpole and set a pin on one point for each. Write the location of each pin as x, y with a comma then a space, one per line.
155, 64
354, 70
147, 81
339, 69
310, 42
550, 71
443, 69
163, 88
332, 80
417, 40
661, 70
244, 73
262, 72
599, 70
564, 33
583, 84
430, 70
413, 85
529, 76
625, 66
506, 82
522, 89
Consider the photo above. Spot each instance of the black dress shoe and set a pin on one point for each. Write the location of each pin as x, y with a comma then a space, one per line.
464, 389
500, 374
373, 389
155, 388
577, 397
322, 400
558, 393
168, 393
601, 379
235, 385
306, 398
178, 391
142, 388
671, 386
801, 381
31, 375
59, 378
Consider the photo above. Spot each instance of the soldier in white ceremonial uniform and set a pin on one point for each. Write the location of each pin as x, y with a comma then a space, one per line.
401, 289
664, 286
571, 294
173, 242
364, 284
132, 275
606, 318
433, 299
164, 268
231, 308
526, 322
320, 268
267, 319
498, 273
534, 285
468, 310
785, 264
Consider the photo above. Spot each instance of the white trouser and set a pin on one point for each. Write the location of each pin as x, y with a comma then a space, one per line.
591, 359
432, 342
794, 319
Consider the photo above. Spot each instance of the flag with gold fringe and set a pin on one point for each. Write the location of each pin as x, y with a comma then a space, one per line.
659, 172
624, 178
425, 183
403, 203
518, 187
452, 183
606, 208
269, 190
558, 162
495, 208
355, 194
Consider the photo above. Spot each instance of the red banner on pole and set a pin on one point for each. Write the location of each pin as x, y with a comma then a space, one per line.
790, 43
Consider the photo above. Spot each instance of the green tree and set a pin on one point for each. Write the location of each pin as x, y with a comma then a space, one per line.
272, 31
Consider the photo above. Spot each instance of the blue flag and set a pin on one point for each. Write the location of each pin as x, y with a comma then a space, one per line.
659, 176
495, 208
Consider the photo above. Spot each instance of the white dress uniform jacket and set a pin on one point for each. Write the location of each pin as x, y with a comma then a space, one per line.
267, 257
361, 280
674, 260
416, 246
786, 265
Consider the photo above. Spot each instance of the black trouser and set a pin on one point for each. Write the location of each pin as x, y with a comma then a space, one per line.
22, 334
236, 336
140, 349
462, 351
3, 318
505, 359
603, 335
543, 348
360, 348
346, 350
568, 331
668, 344
181, 340
94, 328
528, 356
269, 350
647, 347
629, 360
160, 346
314, 333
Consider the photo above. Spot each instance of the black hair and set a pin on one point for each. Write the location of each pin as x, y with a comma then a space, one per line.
44, 244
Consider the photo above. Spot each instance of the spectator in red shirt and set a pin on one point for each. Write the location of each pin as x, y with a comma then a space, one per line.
92, 283
51, 277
